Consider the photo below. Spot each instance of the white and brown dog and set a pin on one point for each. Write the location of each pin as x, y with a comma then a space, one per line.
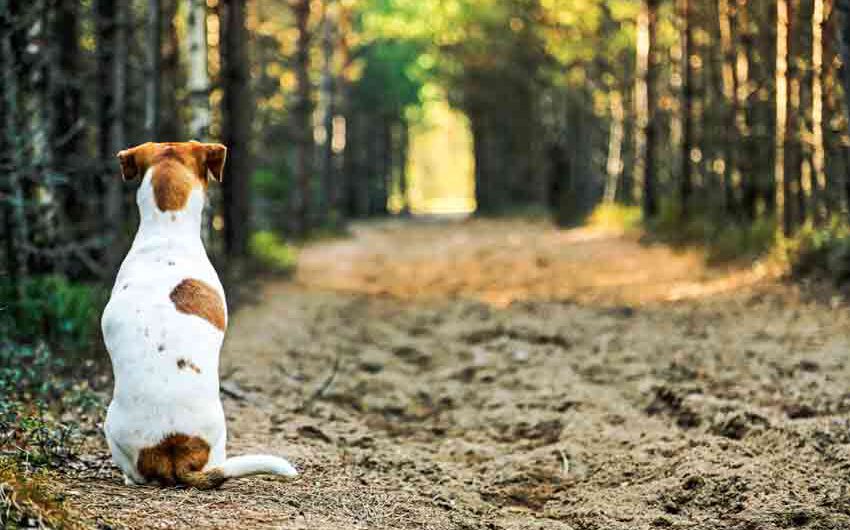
164, 326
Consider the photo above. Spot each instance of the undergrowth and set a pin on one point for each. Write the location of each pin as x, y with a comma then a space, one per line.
616, 217
272, 253
26, 502
48, 357
814, 251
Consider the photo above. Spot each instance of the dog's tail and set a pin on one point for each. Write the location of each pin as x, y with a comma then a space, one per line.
239, 466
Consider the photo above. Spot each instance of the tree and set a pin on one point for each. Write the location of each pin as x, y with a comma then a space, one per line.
328, 99
783, 97
303, 131
236, 127
646, 108
198, 76
114, 20
153, 71
686, 182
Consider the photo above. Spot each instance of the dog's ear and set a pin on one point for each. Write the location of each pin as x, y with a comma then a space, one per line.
215, 155
134, 161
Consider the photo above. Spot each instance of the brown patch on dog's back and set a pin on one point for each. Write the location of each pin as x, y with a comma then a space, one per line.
195, 297
173, 458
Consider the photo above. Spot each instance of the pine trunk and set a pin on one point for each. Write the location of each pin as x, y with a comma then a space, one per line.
236, 127
686, 182
329, 185
152, 70
783, 38
116, 43
303, 132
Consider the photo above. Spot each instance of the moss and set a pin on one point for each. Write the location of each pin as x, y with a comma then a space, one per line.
26, 501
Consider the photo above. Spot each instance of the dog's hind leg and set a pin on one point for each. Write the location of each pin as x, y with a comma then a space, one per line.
125, 463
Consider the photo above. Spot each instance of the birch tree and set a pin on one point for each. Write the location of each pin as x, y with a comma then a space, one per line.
198, 76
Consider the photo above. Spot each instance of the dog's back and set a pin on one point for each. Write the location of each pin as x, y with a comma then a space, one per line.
164, 326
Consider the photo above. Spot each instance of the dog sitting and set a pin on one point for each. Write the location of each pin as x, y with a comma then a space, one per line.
164, 326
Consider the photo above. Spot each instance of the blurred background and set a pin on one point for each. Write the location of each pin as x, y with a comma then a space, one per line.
722, 123
718, 120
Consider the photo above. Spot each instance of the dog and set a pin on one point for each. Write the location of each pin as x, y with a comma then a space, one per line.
164, 326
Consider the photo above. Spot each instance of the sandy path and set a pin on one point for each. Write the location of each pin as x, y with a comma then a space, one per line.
508, 375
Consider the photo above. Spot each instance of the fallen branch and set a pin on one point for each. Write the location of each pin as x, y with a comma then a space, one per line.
324, 387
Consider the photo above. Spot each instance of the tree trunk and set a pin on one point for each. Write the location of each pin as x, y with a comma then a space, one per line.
614, 166
116, 42
236, 127
14, 213
171, 78
198, 76
645, 181
783, 40
303, 132
726, 22
152, 70
327, 97
746, 113
818, 149
686, 182
843, 22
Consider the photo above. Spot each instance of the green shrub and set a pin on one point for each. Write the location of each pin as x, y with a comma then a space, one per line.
272, 253
723, 239
821, 251
31, 432
29, 371
616, 217
53, 310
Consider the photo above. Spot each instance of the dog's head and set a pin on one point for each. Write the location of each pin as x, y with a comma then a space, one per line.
178, 169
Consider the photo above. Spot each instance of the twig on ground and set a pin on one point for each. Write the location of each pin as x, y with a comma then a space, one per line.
231, 389
565, 463
308, 403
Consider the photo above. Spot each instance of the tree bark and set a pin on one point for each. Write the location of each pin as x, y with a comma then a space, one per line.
614, 165
152, 70
171, 77
746, 114
116, 42
198, 76
686, 182
726, 22
818, 145
303, 133
15, 214
328, 98
783, 40
236, 127
645, 181
842, 7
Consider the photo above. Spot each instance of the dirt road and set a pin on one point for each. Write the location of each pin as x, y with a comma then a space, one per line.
507, 375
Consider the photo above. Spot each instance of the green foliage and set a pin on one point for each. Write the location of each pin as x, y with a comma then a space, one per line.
273, 253
821, 251
30, 432
54, 310
723, 240
616, 217
29, 371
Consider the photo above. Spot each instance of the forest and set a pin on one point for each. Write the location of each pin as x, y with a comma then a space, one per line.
478, 216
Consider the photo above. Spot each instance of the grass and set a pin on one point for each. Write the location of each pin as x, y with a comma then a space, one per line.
616, 217
273, 254
26, 502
